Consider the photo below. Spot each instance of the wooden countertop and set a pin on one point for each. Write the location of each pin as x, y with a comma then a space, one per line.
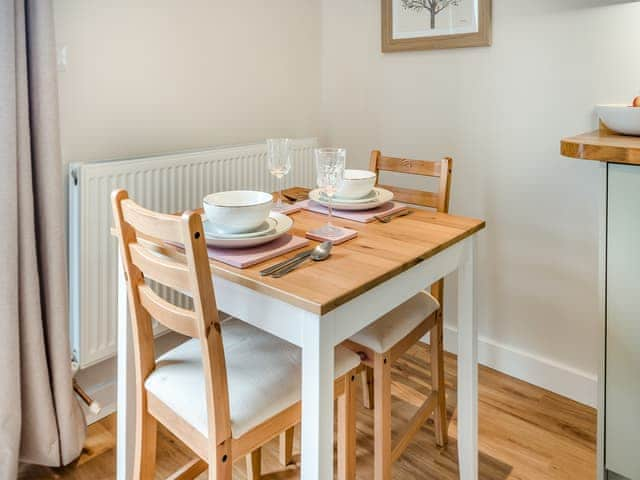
602, 145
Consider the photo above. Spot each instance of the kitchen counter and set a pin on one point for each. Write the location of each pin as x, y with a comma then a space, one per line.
602, 145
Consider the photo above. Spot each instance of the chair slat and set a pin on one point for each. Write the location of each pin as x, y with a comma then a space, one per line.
160, 268
153, 224
414, 197
405, 165
171, 316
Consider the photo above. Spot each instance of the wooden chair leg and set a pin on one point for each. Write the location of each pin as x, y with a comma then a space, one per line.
220, 462
366, 376
437, 380
146, 439
286, 447
382, 417
347, 430
254, 464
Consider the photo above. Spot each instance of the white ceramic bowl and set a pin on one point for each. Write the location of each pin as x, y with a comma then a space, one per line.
356, 184
620, 118
237, 211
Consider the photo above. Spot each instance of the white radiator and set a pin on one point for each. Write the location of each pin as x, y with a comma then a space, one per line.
166, 183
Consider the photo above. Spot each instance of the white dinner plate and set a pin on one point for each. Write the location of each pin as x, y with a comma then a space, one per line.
283, 225
368, 198
382, 196
268, 226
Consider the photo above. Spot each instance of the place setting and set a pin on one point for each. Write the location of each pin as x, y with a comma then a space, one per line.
242, 218
348, 194
246, 227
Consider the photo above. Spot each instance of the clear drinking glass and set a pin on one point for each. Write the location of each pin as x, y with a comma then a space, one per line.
279, 163
330, 164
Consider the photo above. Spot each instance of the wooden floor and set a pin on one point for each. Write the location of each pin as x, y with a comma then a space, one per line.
526, 433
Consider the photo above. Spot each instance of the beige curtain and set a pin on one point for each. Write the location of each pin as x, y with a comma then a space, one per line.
40, 419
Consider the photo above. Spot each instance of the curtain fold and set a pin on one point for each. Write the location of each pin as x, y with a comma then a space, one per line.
40, 419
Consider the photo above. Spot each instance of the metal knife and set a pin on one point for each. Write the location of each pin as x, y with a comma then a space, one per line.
285, 263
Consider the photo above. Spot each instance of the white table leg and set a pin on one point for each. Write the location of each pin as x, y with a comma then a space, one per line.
126, 384
467, 368
317, 398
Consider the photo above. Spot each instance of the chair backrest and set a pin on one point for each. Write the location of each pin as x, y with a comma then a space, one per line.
139, 232
439, 169
439, 200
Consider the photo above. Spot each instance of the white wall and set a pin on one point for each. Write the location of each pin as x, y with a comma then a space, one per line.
500, 112
153, 76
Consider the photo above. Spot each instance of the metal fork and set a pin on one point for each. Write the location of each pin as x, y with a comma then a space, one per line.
388, 218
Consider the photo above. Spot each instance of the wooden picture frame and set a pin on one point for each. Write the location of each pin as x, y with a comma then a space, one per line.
396, 42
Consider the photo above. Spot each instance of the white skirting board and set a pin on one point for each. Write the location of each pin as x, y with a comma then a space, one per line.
542, 372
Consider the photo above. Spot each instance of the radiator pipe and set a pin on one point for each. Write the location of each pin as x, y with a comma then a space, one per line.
94, 407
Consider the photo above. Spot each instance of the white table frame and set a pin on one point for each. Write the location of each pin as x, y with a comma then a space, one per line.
317, 335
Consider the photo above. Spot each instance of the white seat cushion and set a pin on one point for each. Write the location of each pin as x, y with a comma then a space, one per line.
264, 375
388, 330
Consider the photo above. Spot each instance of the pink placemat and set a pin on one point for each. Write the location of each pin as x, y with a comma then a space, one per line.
362, 216
345, 234
247, 257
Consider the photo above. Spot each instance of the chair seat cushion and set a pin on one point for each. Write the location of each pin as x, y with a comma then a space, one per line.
264, 377
388, 330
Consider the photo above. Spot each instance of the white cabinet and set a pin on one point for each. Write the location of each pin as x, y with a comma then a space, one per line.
622, 387
619, 399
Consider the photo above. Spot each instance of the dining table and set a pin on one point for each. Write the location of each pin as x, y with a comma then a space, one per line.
321, 304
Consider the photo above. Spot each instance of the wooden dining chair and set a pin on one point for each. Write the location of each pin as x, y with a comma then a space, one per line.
383, 342
231, 387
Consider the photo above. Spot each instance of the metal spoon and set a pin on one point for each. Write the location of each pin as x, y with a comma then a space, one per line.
320, 253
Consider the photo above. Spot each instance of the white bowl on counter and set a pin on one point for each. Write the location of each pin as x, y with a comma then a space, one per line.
237, 211
356, 184
620, 118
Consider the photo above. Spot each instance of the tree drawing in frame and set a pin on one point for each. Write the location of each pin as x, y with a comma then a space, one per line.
435, 24
434, 7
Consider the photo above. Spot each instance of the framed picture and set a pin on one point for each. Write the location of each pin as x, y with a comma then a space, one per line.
432, 24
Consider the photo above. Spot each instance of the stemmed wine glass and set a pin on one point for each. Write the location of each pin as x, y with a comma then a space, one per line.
330, 164
279, 163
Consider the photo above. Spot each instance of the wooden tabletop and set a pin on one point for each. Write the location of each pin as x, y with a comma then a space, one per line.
602, 145
379, 252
